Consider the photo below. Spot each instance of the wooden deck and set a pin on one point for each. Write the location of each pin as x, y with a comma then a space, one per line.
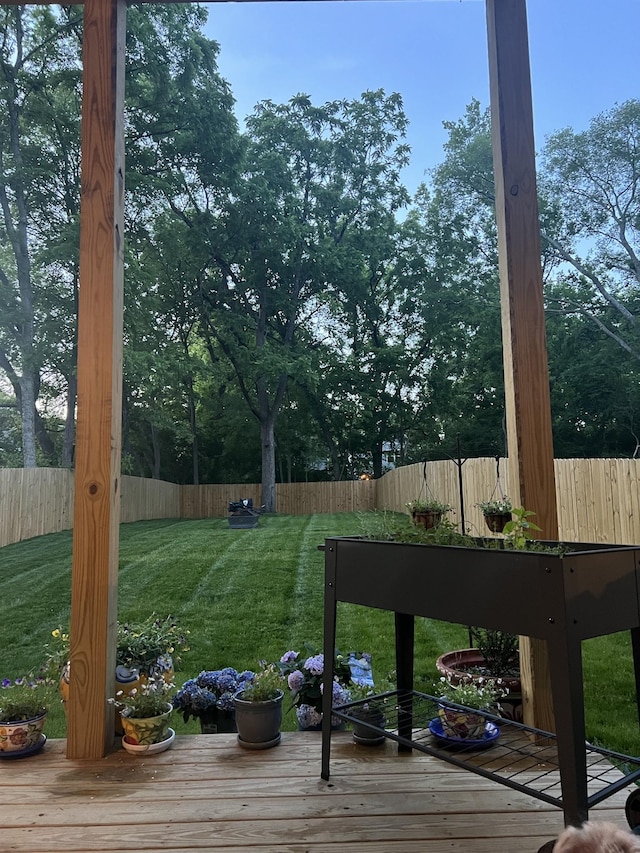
206, 793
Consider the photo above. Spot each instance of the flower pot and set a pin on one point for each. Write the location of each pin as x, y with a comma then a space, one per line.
461, 724
217, 722
427, 518
149, 748
146, 730
126, 681
258, 723
496, 521
22, 736
364, 735
467, 664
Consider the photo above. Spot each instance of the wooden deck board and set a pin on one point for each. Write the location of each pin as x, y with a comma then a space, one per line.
208, 794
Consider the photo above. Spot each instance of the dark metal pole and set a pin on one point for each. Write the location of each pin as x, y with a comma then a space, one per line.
460, 462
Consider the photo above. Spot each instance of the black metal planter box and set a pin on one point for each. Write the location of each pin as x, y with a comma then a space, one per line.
589, 591
244, 520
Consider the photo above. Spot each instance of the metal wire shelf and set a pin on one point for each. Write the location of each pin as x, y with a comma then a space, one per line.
521, 757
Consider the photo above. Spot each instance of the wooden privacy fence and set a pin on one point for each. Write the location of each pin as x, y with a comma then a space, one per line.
291, 498
598, 499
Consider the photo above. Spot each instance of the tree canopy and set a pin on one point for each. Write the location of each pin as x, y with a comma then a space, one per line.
291, 312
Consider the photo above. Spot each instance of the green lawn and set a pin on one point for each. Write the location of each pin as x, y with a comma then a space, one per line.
247, 595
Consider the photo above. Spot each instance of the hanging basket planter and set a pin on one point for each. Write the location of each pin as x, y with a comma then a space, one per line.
427, 518
496, 521
427, 513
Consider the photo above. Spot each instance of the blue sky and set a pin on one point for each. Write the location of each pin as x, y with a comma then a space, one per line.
584, 58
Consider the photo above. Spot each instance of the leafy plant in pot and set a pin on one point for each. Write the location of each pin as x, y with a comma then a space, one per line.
259, 709
304, 678
428, 513
145, 714
147, 649
495, 656
369, 715
475, 696
210, 698
496, 513
24, 704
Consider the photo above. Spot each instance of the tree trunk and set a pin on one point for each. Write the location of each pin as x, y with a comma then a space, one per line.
16, 229
69, 438
155, 447
376, 457
28, 414
267, 437
45, 441
194, 432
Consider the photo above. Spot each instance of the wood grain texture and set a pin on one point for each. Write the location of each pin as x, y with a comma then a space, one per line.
206, 793
524, 339
527, 401
97, 498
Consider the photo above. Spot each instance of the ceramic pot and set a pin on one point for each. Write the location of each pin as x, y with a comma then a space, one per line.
461, 724
126, 681
362, 733
258, 723
146, 730
22, 735
456, 666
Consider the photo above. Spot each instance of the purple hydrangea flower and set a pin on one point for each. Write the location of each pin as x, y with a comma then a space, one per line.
289, 657
315, 664
308, 716
295, 680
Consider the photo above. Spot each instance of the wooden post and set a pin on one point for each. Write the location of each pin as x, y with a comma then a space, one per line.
527, 400
97, 493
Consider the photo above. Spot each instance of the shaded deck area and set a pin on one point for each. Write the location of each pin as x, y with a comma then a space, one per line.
206, 793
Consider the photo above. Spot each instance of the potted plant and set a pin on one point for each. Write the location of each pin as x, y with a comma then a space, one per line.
462, 722
145, 713
210, 698
259, 709
369, 714
24, 704
150, 648
304, 679
495, 655
496, 513
428, 513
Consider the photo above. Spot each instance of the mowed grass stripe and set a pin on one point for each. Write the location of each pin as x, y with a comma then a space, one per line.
166, 576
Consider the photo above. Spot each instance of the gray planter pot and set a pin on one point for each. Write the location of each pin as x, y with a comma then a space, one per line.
362, 734
258, 723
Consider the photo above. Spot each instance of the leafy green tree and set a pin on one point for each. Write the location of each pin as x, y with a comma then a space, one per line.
312, 176
180, 130
593, 177
39, 142
468, 383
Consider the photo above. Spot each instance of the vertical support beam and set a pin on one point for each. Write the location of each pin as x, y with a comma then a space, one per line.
94, 583
527, 400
